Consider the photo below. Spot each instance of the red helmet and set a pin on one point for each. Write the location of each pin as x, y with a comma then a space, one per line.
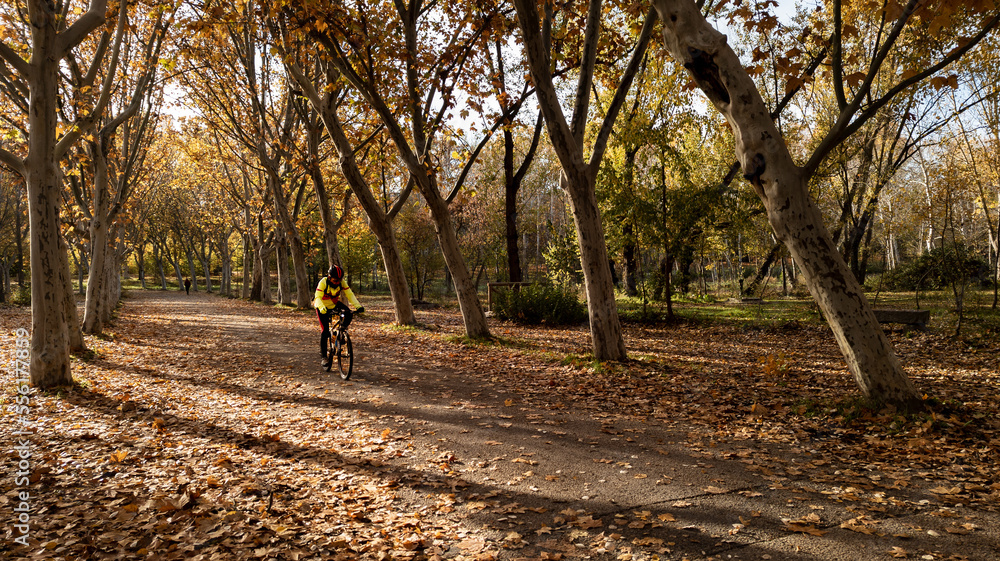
336, 272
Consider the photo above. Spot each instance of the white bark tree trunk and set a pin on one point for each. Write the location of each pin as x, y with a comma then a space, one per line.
783, 189
607, 340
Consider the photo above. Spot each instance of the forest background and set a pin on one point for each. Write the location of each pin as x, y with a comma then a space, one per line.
432, 149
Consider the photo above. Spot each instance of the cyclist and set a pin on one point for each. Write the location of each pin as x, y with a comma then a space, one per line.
327, 301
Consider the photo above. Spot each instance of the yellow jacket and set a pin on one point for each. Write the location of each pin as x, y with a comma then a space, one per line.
327, 295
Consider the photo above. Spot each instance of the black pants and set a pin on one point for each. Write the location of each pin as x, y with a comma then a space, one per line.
327, 318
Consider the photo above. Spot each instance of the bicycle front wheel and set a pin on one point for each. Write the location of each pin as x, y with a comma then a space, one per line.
345, 356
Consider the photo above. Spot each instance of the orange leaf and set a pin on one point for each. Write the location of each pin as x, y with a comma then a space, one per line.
588, 522
854, 80
803, 529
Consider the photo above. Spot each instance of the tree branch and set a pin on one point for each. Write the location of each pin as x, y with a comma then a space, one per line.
601, 142
13, 162
9, 56
588, 64
845, 127
81, 28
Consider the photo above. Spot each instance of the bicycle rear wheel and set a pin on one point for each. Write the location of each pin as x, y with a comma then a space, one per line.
344, 354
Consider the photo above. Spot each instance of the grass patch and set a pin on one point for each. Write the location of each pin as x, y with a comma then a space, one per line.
405, 329
86, 355
492, 341
467, 341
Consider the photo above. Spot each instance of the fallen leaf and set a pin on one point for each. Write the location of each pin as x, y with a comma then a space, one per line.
803, 529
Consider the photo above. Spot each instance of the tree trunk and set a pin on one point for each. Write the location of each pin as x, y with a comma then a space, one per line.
226, 256
262, 273
579, 171
473, 316
763, 271
605, 328
192, 272
110, 285
79, 270
4, 280
248, 261
511, 187
631, 262
175, 262
205, 259
510, 210
281, 266
668, 271
94, 309
50, 362
140, 263
783, 188
294, 245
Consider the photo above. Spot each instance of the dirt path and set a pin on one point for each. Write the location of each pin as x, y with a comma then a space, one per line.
205, 429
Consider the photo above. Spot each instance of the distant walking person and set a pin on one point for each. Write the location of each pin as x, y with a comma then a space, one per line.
187, 286
328, 293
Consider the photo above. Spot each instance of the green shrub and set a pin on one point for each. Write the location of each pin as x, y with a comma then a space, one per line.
21, 296
540, 303
938, 268
562, 258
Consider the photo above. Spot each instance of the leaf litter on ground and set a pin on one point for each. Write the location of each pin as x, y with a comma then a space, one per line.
195, 432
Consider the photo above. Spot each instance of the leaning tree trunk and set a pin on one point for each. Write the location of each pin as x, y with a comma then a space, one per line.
378, 221
783, 188
473, 316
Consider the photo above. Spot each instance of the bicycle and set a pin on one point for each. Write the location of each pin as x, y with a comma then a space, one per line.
340, 349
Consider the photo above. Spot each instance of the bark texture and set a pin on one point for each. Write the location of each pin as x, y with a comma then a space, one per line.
53, 313
782, 186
